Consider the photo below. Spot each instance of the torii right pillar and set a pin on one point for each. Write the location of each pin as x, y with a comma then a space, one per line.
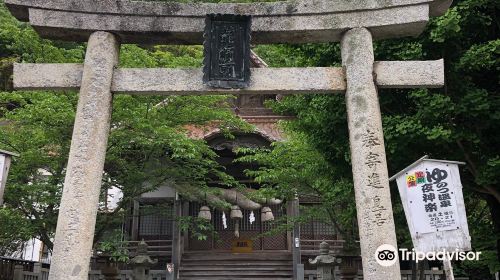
369, 166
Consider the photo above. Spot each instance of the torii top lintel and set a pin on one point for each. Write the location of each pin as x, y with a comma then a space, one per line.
180, 23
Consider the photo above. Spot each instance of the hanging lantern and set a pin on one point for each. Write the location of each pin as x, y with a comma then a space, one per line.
237, 215
266, 214
205, 213
236, 212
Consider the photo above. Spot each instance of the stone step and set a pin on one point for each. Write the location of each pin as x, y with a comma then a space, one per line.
234, 278
231, 256
235, 268
239, 273
236, 262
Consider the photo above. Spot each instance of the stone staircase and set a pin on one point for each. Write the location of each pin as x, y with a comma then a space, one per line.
234, 266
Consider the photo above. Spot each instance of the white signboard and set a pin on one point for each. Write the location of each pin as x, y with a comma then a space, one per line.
2, 166
431, 193
5, 158
3, 174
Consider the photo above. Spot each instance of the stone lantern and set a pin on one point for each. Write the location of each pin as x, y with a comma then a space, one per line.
141, 263
325, 263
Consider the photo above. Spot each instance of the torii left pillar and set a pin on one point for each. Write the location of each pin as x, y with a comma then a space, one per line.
80, 198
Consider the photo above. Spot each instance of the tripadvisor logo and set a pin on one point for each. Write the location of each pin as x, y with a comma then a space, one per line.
387, 255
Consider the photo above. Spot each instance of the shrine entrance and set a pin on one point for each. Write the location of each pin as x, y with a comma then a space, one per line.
252, 232
224, 239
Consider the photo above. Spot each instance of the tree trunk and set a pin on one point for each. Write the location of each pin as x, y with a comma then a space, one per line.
44, 237
421, 269
494, 206
414, 267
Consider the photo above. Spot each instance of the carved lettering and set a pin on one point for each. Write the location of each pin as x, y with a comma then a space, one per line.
370, 139
372, 159
374, 181
227, 51
379, 211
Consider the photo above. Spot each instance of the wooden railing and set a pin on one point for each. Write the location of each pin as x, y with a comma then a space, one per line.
38, 273
7, 266
429, 275
405, 275
127, 275
155, 247
311, 247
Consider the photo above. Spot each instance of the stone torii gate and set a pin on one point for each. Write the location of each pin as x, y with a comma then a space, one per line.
106, 23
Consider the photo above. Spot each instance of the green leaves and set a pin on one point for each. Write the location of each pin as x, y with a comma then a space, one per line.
21, 41
461, 20
199, 228
481, 57
447, 26
113, 247
489, 172
293, 168
161, 56
18, 229
148, 143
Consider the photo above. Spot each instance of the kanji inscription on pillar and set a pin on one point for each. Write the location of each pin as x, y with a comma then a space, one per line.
227, 51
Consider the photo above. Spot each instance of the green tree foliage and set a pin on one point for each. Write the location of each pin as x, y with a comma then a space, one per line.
148, 140
294, 168
459, 122
18, 231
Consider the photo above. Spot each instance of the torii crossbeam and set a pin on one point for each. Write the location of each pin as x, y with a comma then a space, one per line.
105, 23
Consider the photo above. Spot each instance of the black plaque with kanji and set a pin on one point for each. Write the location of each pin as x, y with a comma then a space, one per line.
227, 51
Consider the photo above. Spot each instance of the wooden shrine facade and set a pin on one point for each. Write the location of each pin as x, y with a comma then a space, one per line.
153, 215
